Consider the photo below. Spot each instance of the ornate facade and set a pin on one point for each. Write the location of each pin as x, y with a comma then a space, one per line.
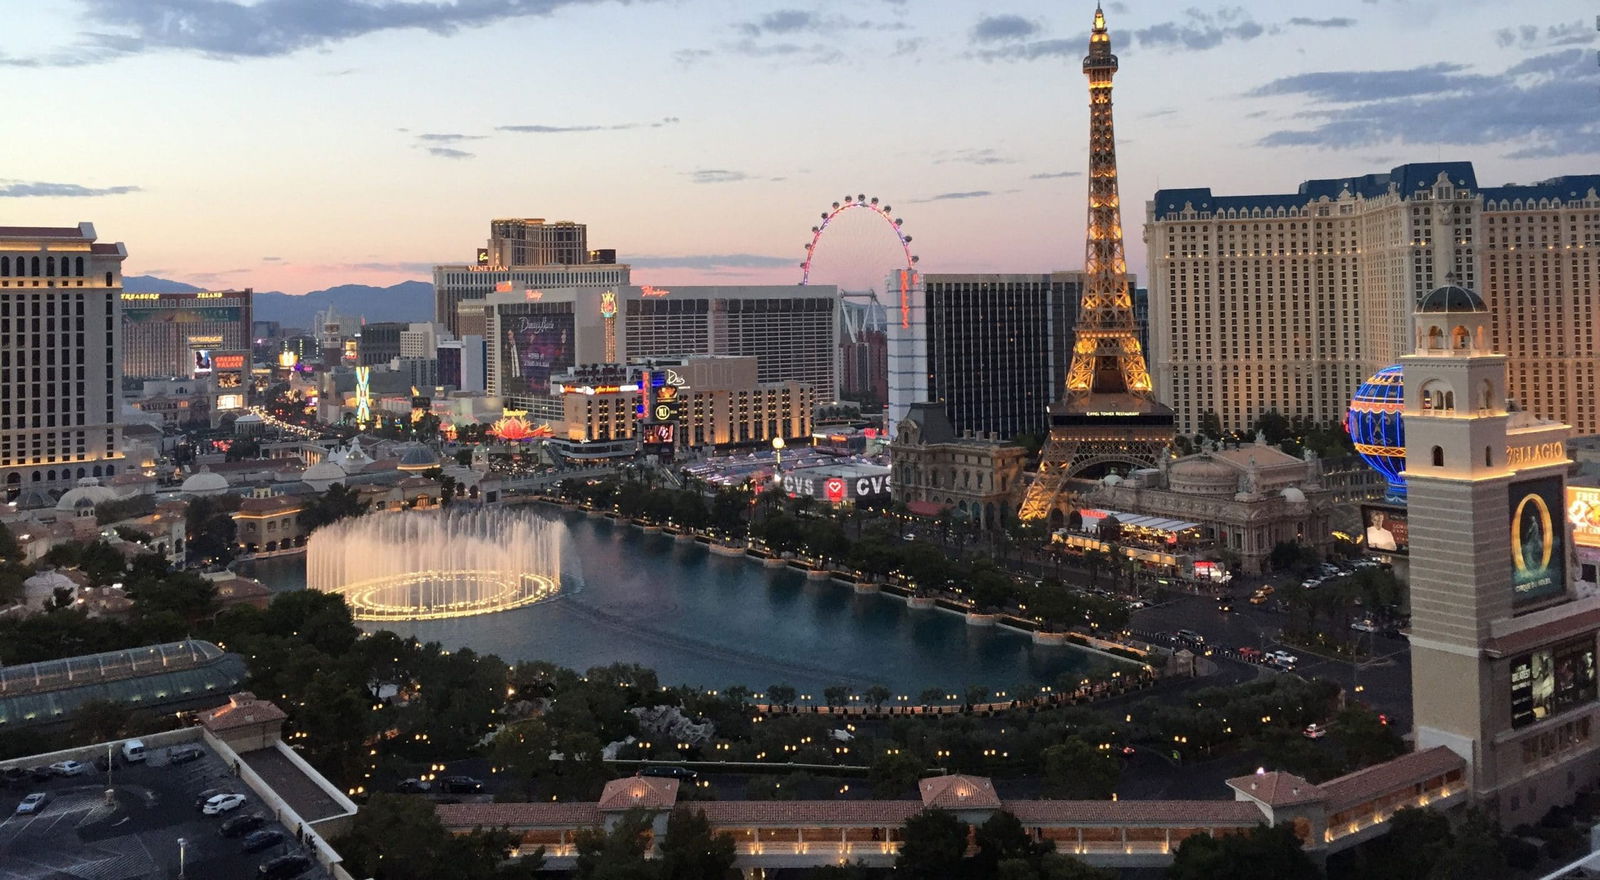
935, 468
1247, 498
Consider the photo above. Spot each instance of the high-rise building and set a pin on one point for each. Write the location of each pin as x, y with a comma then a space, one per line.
1289, 302
1539, 255
522, 255
1503, 652
792, 332
379, 343
461, 363
165, 335
60, 332
1108, 415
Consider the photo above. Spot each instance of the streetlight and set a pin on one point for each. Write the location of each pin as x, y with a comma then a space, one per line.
777, 448
183, 850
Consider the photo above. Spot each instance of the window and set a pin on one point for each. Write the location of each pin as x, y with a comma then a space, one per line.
1438, 457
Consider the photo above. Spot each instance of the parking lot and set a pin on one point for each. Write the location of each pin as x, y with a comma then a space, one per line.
133, 832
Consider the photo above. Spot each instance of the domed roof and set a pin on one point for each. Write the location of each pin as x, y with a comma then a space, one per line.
44, 585
1452, 298
417, 457
1202, 475
86, 494
248, 418
1110, 479
205, 483
1294, 495
326, 470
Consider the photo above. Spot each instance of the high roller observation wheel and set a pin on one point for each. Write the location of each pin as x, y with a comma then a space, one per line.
851, 202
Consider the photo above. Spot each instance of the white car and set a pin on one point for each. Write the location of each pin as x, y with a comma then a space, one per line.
222, 803
1366, 626
1282, 658
69, 768
33, 803
1315, 731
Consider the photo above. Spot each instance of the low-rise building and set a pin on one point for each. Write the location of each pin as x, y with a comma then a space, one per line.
269, 523
936, 469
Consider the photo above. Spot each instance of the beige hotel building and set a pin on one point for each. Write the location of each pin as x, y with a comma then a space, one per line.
1289, 302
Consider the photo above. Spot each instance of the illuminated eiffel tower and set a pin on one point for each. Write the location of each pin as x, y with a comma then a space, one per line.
1108, 415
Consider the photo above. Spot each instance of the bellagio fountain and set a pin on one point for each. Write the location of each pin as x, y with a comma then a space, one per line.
437, 564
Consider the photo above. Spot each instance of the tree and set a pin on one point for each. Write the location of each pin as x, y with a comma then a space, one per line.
691, 852
1078, 770
339, 502
211, 529
877, 695
894, 772
618, 854
395, 837
1001, 838
98, 721
782, 694
10, 550
1210, 425
1262, 853
1476, 851
1059, 867
935, 846
1417, 841
836, 695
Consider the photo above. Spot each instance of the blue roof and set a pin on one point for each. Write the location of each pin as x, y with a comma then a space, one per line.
1572, 186
1405, 178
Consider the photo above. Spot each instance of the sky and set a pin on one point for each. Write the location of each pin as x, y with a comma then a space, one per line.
297, 144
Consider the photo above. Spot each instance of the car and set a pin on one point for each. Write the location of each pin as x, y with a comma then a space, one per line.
1282, 658
1260, 599
460, 785
184, 754
284, 867
1315, 731
41, 774
413, 786
1224, 605
1249, 653
222, 803
666, 771
1266, 590
1366, 626
239, 826
256, 841
1311, 583
207, 795
1190, 636
69, 768
33, 803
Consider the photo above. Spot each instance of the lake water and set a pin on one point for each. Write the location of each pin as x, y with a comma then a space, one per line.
714, 621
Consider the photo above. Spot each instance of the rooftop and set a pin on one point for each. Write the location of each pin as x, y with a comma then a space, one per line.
170, 675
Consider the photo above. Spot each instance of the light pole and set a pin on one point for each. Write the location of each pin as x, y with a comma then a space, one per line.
183, 846
777, 447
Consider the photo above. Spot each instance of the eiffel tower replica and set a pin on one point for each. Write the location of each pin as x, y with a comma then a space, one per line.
1108, 414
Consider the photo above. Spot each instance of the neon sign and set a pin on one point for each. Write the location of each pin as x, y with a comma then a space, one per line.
649, 291
608, 304
532, 294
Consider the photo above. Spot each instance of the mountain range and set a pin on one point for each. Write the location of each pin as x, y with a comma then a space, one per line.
406, 301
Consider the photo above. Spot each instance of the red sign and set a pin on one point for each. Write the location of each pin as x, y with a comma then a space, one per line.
228, 362
834, 488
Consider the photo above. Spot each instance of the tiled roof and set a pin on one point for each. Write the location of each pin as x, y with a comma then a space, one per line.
241, 710
1569, 188
730, 814
1277, 789
959, 792
639, 791
1406, 179
1199, 813
463, 817
1353, 788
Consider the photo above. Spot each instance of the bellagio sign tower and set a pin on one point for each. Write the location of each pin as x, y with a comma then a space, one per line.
1108, 415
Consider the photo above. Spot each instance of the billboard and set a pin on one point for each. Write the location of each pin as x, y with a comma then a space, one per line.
532, 348
1387, 530
659, 435
1583, 511
1551, 680
192, 315
1538, 540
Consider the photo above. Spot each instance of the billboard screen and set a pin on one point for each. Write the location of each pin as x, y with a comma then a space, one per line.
1538, 541
1387, 530
659, 435
1551, 680
192, 315
1583, 511
532, 348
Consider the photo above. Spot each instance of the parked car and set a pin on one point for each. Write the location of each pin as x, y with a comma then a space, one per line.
1283, 659
33, 803
239, 826
662, 771
1315, 731
256, 841
461, 785
184, 754
206, 796
413, 786
1190, 636
1366, 626
41, 774
222, 803
69, 768
284, 867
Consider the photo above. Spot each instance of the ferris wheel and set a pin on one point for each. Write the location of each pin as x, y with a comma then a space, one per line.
857, 257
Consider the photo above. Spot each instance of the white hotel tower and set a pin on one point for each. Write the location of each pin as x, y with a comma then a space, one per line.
60, 382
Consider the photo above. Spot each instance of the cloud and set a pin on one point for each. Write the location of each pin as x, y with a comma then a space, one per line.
571, 129
1302, 21
973, 156
1528, 105
269, 28
272, 259
997, 28
449, 138
22, 189
1053, 175
783, 21
717, 175
690, 56
1199, 30
1575, 33
712, 261
950, 196
450, 153
1036, 49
